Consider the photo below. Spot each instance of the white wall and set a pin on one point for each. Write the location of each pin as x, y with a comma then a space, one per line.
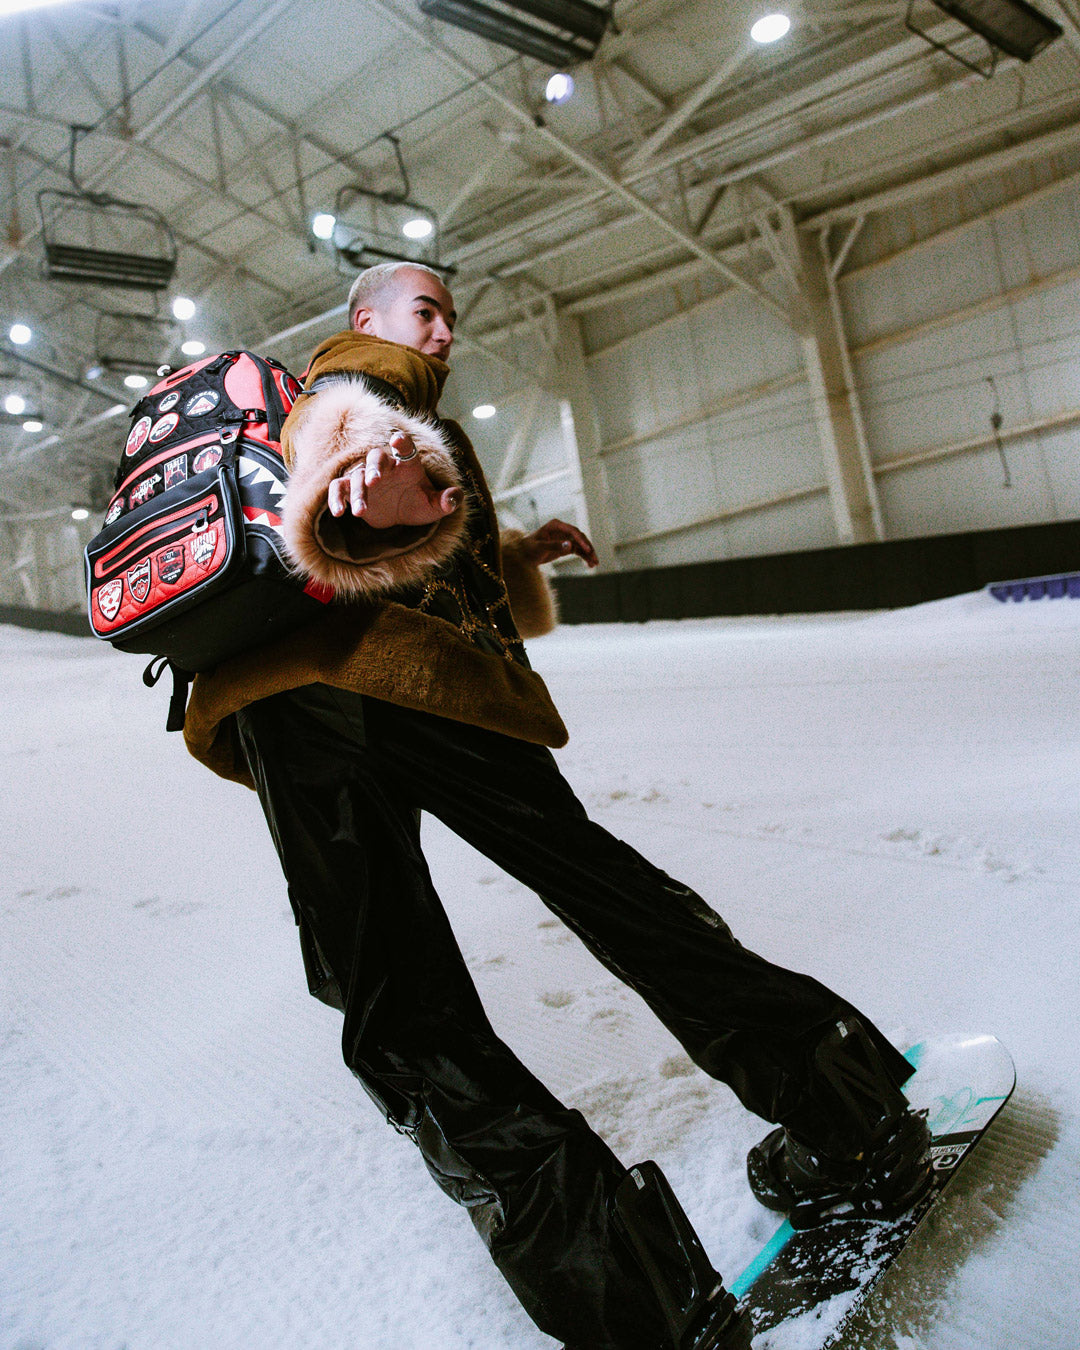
41, 563
709, 443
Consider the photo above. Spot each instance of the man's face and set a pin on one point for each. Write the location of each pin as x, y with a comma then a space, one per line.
418, 313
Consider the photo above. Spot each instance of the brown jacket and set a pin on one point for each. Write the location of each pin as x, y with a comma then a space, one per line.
367, 641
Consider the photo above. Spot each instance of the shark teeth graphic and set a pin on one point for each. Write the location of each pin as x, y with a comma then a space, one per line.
263, 518
253, 473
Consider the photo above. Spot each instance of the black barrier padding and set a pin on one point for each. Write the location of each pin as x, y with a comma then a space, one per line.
863, 576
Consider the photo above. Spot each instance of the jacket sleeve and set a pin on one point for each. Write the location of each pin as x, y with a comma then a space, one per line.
325, 436
532, 599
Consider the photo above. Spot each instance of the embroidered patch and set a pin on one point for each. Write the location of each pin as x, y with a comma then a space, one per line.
175, 471
115, 511
201, 404
206, 459
163, 426
169, 402
170, 564
202, 547
109, 597
137, 436
138, 578
143, 491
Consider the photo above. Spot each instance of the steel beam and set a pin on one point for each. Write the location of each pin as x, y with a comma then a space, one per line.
578, 157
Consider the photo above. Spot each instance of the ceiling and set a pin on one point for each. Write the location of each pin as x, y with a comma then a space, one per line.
684, 149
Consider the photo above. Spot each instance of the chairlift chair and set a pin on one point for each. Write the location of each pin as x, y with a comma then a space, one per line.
97, 240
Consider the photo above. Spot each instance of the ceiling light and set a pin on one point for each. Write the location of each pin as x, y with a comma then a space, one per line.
193, 348
20, 334
322, 225
136, 381
95, 371
15, 404
483, 411
17, 6
32, 424
417, 228
80, 513
770, 28
559, 88
183, 308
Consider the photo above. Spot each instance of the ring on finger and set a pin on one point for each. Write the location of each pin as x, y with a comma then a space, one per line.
401, 459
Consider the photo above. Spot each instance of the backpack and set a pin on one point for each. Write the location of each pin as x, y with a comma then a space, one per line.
189, 565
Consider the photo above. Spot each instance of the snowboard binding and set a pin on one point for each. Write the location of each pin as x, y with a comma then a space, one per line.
876, 1165
699, 1311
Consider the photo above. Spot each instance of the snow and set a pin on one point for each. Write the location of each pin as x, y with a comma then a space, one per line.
886, 800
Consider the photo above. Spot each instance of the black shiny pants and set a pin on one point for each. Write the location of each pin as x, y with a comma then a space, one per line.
342, 780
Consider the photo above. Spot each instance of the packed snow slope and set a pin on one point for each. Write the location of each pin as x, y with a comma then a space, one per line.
888, 801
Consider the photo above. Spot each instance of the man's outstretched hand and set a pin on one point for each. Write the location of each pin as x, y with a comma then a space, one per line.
556, 539
391, 488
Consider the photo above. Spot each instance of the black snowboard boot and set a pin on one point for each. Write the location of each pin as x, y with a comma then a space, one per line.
874, 1163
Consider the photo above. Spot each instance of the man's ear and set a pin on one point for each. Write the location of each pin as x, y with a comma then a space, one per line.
363, 320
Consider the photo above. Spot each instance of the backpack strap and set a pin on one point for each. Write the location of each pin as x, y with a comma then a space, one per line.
181, 684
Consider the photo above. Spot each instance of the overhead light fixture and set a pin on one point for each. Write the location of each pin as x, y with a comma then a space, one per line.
15, 404
183, 308
136, 381
559, 88
95, 371
80, 513
483, 411
770, 28
322, 225
20, 334
567, 31
1010, 26
419, 227
18, 6
193, 347
32, 424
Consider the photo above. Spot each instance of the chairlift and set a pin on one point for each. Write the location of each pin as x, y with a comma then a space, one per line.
132, 344
97, 240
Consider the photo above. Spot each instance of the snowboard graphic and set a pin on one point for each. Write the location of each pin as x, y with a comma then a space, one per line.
962, 1082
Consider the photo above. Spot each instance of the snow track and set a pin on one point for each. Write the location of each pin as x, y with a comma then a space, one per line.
888, 801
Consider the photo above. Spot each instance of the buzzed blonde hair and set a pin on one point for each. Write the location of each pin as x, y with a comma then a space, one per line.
376, 285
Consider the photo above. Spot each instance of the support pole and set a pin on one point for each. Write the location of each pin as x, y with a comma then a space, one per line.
582, 439
852, 492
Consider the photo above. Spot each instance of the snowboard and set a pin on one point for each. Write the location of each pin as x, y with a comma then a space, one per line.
825, 1274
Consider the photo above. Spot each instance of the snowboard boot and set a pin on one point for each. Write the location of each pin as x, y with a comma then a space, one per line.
875, 1162
699, 1312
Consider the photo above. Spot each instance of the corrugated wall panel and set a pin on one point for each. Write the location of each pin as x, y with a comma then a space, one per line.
704, 409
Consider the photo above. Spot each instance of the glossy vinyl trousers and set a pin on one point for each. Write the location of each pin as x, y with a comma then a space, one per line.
342, 780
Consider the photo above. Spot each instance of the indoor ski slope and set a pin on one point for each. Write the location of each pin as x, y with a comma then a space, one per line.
889, 801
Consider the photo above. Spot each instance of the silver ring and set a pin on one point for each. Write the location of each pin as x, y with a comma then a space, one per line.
401, 459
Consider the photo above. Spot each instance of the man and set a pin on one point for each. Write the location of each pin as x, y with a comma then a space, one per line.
415, 694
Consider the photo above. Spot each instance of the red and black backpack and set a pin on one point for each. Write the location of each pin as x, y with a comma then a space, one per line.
189, 565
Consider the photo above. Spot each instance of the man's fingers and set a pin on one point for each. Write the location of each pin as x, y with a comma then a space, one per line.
358, 489
337, 496
376, 464
447, 501
402, 445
